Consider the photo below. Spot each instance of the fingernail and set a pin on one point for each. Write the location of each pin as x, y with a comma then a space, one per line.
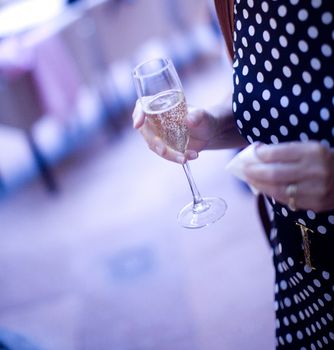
180, 159
159, 149
192, 154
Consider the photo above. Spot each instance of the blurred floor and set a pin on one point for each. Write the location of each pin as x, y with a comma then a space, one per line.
105, 266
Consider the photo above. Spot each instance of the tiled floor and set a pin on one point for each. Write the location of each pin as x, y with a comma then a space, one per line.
105, 266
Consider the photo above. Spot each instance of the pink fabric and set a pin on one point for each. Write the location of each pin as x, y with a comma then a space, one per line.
56, 74
54, 71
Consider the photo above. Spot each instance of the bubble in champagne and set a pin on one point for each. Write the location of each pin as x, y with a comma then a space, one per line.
167, 112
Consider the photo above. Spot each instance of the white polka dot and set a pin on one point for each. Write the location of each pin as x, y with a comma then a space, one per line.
273, 23
324, 114
268, 66
300, 335
282, 11
266, 95
286, 321
307, 77
313, 32
294, 2
278, 83
256, 105
316, 95
284, 101
265, 123
256, 132
311, 214
302, 15
244, 42
314, 126
265, 6
287, 71
258, 47
328, 82
303, 46
331, 335
283, 285
326, 50
247, 115
307, 269
252, 58
249, 87
316, 3
249, 138
304, 108
327, 18
293, 317
260, 77
274, 112
245, 13
251, 30
283, 130
274, 139
237, 80
239, 123
240, 97
315, 63
266, 36
284, 212
296, 90
250, 3
291, 261
325, 275
331, 219
293, 120
283, 41
322, 229
245, 70
238, 25
327, 297
240, 52
275, 53
288, 338
294, 59
290, 28
317, 283
258, 18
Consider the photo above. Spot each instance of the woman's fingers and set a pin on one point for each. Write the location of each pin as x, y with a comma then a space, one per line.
289, 152
138, 116
273, 173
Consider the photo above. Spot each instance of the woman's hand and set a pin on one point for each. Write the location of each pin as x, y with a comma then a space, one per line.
202, 126
300, 174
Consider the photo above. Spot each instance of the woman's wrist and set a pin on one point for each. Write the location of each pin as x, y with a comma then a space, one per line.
226, 132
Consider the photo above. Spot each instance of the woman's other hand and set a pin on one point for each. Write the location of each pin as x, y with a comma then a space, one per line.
305, 167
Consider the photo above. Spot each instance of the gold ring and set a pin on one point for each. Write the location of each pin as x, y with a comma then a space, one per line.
291, 192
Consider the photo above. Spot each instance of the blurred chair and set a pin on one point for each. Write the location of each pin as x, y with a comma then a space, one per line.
21, 107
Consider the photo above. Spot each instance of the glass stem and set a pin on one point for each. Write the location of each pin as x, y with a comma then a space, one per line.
197, 198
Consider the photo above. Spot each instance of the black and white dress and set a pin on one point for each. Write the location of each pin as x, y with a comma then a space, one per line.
284, 91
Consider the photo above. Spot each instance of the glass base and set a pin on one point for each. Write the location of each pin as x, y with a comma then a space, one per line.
210, 210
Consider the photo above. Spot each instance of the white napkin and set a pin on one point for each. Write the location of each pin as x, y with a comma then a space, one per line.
239, 163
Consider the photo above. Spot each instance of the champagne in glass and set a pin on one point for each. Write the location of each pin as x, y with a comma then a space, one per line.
161, 94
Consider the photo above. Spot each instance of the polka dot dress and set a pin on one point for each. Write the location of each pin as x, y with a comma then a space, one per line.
284, 91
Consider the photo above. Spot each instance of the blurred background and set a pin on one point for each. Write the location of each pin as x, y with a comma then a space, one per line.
91, 254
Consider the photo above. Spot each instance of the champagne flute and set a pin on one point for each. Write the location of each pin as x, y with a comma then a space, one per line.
162, 98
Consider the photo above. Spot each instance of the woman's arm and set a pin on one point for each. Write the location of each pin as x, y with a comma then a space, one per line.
213, 128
